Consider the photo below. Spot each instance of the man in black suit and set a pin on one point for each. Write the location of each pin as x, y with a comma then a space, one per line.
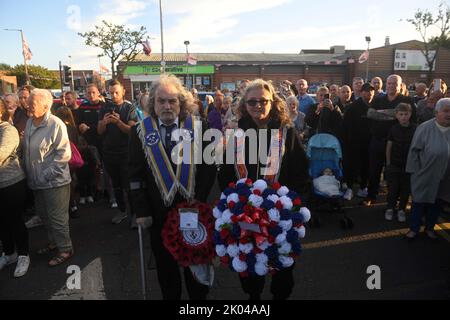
154, 183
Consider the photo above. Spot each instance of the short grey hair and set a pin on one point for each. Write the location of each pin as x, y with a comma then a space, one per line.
444, 102
292, 99
45, 97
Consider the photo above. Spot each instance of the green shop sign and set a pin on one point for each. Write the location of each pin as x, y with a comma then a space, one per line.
139, 70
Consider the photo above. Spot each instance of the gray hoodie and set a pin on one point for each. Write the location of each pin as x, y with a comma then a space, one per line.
47, 153
10, 169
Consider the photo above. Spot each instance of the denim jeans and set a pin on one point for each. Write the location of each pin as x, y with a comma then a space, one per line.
431, 211
52, 205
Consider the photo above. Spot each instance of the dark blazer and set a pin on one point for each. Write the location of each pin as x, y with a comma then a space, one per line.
294, 164
146, 201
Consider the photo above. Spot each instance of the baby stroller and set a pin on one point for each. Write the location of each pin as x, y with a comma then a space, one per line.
324, 151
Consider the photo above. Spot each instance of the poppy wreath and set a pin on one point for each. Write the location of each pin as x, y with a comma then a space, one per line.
191, 247
258, 227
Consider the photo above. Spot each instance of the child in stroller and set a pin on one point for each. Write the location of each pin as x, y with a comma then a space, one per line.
328, 184
325, 155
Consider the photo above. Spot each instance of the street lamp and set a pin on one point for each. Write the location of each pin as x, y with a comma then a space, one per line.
72, 86
163, 61
187, 43
27, 77
368, 58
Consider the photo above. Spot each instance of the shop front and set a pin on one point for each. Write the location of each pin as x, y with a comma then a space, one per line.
142, 76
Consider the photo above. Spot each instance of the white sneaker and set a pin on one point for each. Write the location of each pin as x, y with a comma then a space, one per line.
401, 216
7, 260
82, 200
119, 217
362, 193
348, 195
35, 221
22, 266
114, 205
90, 199
389, 214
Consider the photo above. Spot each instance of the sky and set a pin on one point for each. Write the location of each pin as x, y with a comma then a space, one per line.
212, 26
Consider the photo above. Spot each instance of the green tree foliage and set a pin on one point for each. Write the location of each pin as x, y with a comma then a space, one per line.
5, 67
116, 42
40, 77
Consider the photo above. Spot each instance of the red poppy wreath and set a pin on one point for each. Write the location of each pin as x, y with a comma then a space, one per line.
190, 247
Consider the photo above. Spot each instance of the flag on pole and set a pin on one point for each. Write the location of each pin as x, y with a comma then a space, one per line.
364, 57
26, 50
103, 69
191, 60
147, 47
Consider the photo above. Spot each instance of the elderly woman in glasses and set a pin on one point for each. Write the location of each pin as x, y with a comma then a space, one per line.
262, 109
47, 154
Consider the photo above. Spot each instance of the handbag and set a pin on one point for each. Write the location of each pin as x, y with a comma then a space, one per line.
76, 161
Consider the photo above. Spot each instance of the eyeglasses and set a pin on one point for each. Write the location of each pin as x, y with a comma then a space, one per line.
254, 102
172, 101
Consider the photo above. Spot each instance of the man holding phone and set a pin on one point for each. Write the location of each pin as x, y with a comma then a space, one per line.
115, 121
324, 117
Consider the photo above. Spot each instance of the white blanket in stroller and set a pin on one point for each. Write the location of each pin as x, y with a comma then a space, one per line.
328, 185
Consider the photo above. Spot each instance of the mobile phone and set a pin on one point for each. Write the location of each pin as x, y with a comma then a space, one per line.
437, 84
326, 96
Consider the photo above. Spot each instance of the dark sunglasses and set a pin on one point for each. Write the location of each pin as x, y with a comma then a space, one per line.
171, 101
254, 102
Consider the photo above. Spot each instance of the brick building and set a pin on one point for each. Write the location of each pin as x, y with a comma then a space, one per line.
336, 65
8, 84
383, 62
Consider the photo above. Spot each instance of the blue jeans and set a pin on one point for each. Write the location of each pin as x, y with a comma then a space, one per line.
431, 211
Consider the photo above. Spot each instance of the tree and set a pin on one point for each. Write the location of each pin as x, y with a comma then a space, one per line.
5, 67
116, 41
40, 77
424, 22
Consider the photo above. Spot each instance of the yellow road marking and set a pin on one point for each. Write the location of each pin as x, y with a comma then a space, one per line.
373, 236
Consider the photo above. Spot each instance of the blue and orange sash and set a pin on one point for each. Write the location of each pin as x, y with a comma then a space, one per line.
167, 181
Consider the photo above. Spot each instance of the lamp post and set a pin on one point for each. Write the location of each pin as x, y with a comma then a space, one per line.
27, 77
72, 86
368, 58
187, 43
163, 61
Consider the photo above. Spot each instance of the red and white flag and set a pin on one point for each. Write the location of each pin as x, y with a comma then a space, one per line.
26, 50
364, 57
191, 60
147, 47
103, 69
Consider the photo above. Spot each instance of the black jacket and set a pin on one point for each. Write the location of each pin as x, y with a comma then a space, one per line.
294, 164
356, 125
146, 201
326, 122
380, 128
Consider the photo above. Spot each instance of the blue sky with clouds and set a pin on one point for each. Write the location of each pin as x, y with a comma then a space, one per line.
279, 26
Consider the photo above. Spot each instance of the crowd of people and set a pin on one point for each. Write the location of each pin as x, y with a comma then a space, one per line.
127, 150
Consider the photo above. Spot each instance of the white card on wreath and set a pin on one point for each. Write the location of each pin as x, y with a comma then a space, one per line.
250, 227
188, 219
